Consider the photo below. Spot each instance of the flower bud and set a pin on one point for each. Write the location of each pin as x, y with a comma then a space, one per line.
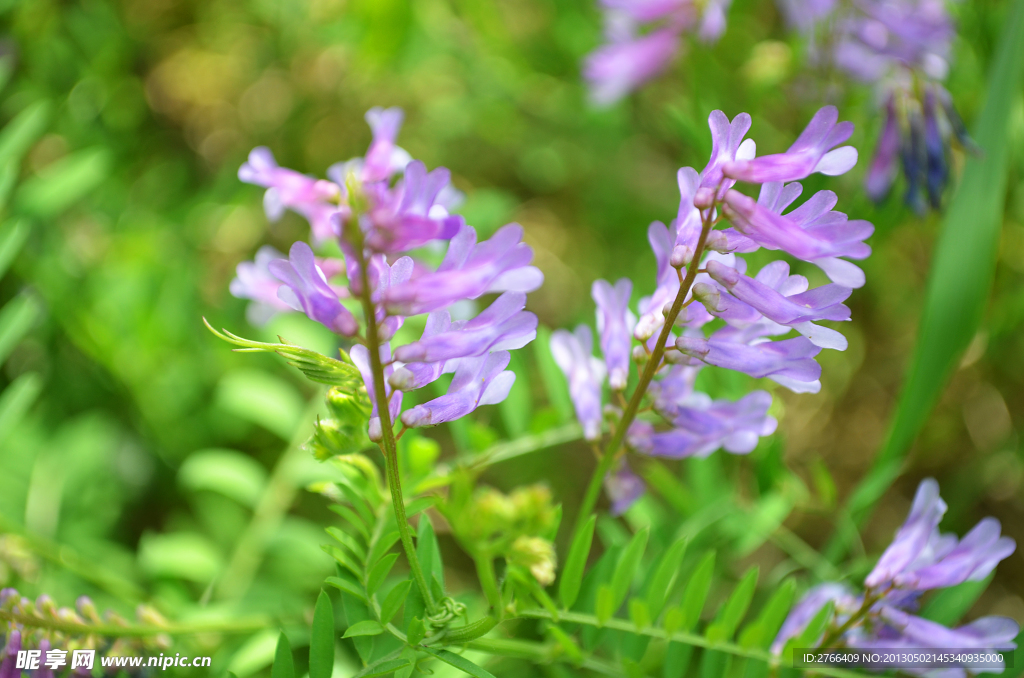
87, 609
537, 555
707, 295
703, 198
681, 256
674, 357
717, 242
640, 355
376, 433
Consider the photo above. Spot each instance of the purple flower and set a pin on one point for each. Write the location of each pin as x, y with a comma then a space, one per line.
674, 389
361, 358
8, 658
810, 153
987, 633
882, 171
409, 216
468, 271
417, 375
316, 200
503, 326
921, 558
478, 381
616, 69
254, 281
805, 610
615, 324
573, 352
652, 308
782, 298
705, 425
306, 289
384, 158
789, 362
810, 232
727, 146
388, 276
623, 487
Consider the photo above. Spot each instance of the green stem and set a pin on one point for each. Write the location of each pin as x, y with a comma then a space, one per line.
387, 442
837, 633
489, 582
611, 452
116, 631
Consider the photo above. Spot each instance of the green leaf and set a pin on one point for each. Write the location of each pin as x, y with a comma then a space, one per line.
566, 643
232, 474
381, 547
816, 627
639, 613
284, 663
773, 615
380, 572
345, 586
263, 399
352, 519
64, 182
21, 132
949, 605
736, 607
627, 566
415, 631
349, 542
321, 640
572, 573
16, 319
394, 600
344, 559
12, 238
358, 502
961, 274
697, 591
16, 399
382, 667
459, 662
364, 628
665, 576
417, 506
673, 619
677, 660
427, 550
604, 607
471, 631
319, 368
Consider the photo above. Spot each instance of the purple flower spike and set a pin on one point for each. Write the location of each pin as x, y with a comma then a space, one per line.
789, 362
573, 354
706, 425
616, 69
688, 221
384, 158
885, 162
502, 327
912, 538
314, 199
675, 389
8, 658
727, 147
417, 375
810, 153
411, 217
615, 324
624, 488
305, 289
652, 315
469, 270
477, 381
361, 357
972, 559
803, 612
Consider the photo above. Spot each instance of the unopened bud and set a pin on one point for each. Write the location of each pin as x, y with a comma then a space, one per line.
640, 355
674, 357
703, 198
717, 242
376, 433
537, 555
707, 295
87, 608
681, 256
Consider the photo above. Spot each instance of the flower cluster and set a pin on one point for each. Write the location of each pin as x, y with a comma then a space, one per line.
919, 559
756, 311
642, 38
377, 208
902, 46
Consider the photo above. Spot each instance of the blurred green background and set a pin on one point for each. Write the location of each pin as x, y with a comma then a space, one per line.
136, 449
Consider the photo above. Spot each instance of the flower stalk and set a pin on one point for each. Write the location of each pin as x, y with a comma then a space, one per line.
613, 450
387, 443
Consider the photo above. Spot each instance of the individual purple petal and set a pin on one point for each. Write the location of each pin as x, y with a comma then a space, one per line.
688, 222
925, 514
503, 326
821, 303
615, 323
254, 281
314, 199
468, 271
647, 10
384, 158
417, 375
306, 289
674, 389
791, 359
987, 633
624, 488
809, 153
652, 315
712, 20
573, 353
935, 150
388, 276
361, 358
616, 69
972, 559
882, 171
805, 610
727, 146
477, 381
9, 655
